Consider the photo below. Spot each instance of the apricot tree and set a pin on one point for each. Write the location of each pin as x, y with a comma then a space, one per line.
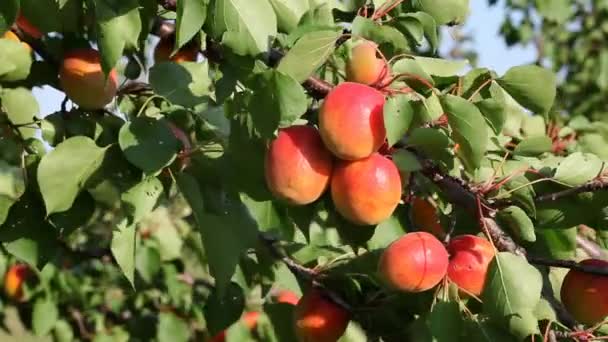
288, 170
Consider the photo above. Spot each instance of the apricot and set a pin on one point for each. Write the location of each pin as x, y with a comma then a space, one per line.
14, 279
83, 80
12, 36
351, 120
297, 165
287, 297
24, 24
585, 295
164, 48
319, 319
470, 257
364, 67
425, 218
250, 319
366, 191
416, 262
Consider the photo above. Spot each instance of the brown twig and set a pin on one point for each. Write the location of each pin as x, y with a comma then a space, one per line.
573, 265
594, 185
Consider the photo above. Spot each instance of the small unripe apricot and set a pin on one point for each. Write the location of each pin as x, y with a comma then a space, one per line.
297, 165
250, 319
366, 191
12, 36
162, 52
27, 27
424, 217
83, 80
364, 67
14, 279
470, 257
415, 262
318, 319
351, 121
287, 297
585, 295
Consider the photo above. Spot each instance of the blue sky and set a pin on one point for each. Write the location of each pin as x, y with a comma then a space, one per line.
483, 23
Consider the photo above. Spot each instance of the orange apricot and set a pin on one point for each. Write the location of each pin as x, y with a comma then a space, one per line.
287, 297
425, 218
366, 191
250, 319
351, 120
297, 165
585, 295
364, 67
83, 80
164, 48
415, 262
319, 319
470, 257
14, 279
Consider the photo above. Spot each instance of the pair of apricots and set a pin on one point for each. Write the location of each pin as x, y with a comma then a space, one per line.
342, 154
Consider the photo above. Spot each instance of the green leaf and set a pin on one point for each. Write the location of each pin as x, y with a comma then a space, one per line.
12, 187
16, 61
578, 168
308, 54
512, 292
430, 28
386, 232
544, 311
398, 115
191, 15
8, 14
557, 11
119, 26
21, 107
440, 67
412, 73
444, 321
518, 222
64, 171
469, 129
431, 141
186, 84
531, 86
147, 263
223, 309
44, 316
172, 328
445, 11
246, 26
148, 144
557, 243
533, 146
123, 249
289, 13
139, 200
278, 100
495, 113
406, 161
381, 34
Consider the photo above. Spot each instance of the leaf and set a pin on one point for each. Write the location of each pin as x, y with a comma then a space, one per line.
186, 84
398, 115
191, 15
21, 107
557, 11
578, 168
223, 309
64, 171
512, 292
518, 222
495, 113
386, 232
441, 67
531, 86
444, 321
172, 328
413, 74
147, 263
16, 61
119, 26
445, 11
12, 187
123, 249
278, 100
533, 146
430, 28
8, 14
148, 144
544, 311
406, 161
139, 200
289, 12
308, 54
469, 129
44, 316
381, 34
430, 140
246, 26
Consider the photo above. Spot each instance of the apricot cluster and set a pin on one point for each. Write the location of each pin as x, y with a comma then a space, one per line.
302, 162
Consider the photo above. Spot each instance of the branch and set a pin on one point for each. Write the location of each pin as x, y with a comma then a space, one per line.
297, 269
594, 185
573, 265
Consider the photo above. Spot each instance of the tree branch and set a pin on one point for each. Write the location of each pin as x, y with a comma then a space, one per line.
594, 185
299, 270
573, 265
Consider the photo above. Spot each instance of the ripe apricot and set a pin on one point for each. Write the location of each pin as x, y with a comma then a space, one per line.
27, 27
287, 297
83, 80
250, 319
351, 120
297, 165
14, 279
415, 262
366, 191
424, 217
319, 319
585, 295
364, 67
162, 52
470, 257
12, 36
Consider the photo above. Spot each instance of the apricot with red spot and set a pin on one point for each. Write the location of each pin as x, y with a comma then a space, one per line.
470, 257
319, 319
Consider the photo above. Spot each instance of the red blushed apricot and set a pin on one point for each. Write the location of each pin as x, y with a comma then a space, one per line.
27, 27
585, 295
250, 319
298, 166
288, 297
364, 67
162, 52
366, 191
83, 80
351, 121
424, 217
415, 262
470, 257
318, 319
14, 279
